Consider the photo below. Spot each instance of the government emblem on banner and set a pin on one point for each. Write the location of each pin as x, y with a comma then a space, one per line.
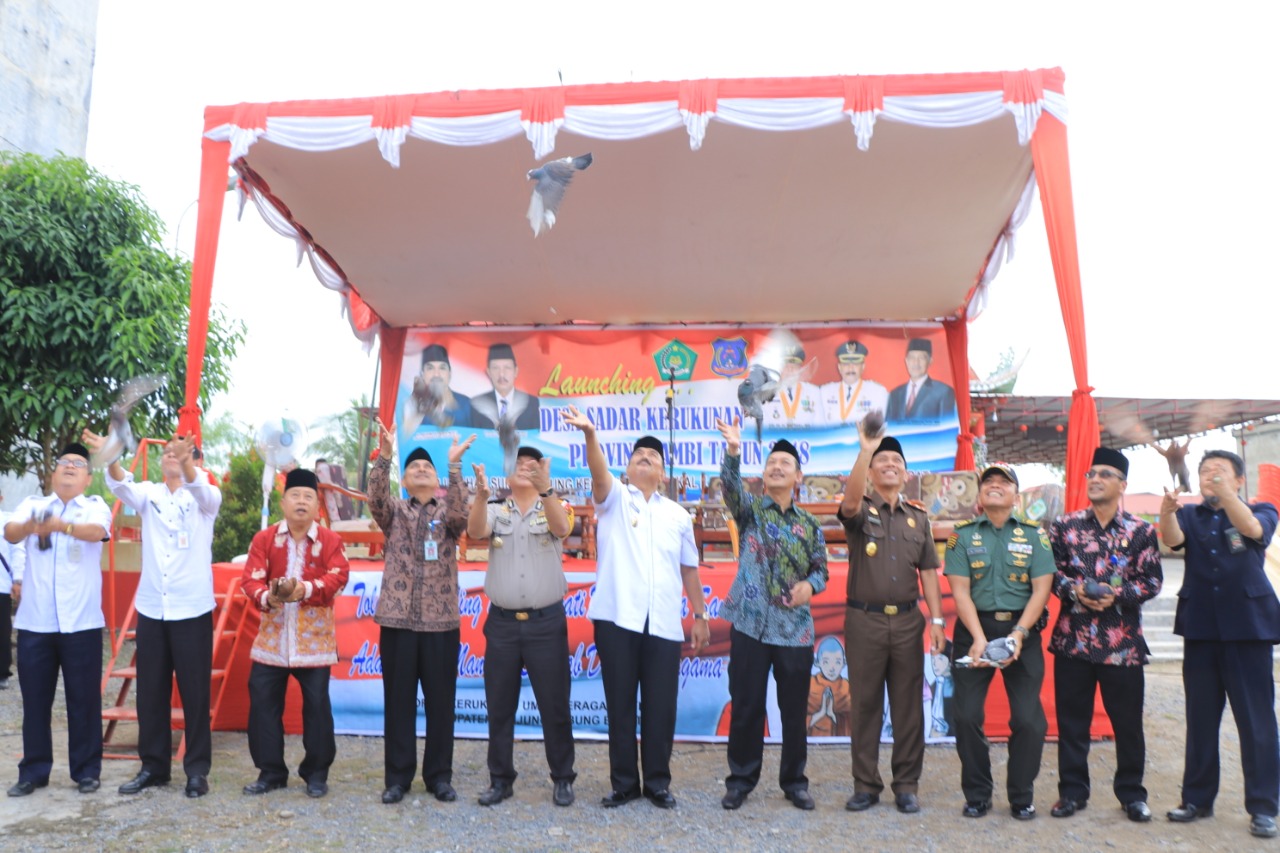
729, 357
675, 360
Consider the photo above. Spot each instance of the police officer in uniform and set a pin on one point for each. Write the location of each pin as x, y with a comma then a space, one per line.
891, 558
1001, 569
526, 627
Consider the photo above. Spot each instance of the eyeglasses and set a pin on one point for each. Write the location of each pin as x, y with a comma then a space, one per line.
73, 463
1102, 475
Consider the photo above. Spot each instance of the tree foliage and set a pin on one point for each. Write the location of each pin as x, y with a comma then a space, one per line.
89, 298
346, 440
241, 514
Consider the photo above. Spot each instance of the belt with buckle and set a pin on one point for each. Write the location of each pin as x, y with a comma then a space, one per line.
526, 615
998, 615
886, 609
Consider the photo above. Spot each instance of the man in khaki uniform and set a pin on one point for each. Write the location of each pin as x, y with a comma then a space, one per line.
526, 627
891, 557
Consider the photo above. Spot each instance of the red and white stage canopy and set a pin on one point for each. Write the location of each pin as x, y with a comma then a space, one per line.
784, 200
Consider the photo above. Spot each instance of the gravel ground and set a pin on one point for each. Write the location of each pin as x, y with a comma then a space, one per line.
353, 818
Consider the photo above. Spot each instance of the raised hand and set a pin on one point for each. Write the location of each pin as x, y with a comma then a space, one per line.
457, 450
386, 439
732, 435
482, 483
576, 419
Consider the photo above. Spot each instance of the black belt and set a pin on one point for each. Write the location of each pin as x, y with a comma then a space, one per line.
1000, 615
525, 615
886, 609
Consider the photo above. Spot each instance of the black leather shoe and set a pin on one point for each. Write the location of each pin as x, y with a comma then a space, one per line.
733, 799
1262, 826
563, 794
145, 779
262, 786
1138, 811
907, 803
22, 789
393, 794
317, 788
197, 786
801, 799
496, 794
1066, 808
661, 799
861, 801
1188, 812
88, 786
444, 792
619, 798
1023, 812
976, 808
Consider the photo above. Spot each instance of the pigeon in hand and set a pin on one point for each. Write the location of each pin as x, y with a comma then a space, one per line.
552, 180
119, 433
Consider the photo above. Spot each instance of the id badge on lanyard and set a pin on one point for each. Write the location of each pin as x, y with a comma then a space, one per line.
430, 545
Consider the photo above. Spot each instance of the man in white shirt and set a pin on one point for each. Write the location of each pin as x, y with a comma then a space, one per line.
175, 609
60, 622
12, 560
646, 553
848, 400
798, 403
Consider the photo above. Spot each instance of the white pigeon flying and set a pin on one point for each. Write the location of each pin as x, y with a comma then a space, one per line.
552, 180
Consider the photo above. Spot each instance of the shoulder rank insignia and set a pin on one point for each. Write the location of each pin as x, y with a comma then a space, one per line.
915, 504
952, 540
965, 523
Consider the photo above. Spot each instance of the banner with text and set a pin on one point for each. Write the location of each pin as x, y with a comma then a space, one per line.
509, 387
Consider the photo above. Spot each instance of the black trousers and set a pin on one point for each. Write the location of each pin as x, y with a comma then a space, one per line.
749, 663
78, 656
1075, 683
1213, 672
540, 645
1027, 723
409, 659
181, 648
633, 661
6, 634
267, 686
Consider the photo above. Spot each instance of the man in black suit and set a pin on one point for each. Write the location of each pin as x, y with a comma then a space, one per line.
1229, 619
921, 397
504, 400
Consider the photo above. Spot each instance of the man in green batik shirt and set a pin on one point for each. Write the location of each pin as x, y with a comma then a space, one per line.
1001, 573
783, 564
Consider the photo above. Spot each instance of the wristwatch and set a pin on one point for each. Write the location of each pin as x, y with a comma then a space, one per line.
704, 616
938, 620
1023, 631
545, 494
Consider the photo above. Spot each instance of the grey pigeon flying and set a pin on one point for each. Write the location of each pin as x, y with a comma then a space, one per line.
509, 438
760, 387
119, 433
873, 423
428, 403
552, 180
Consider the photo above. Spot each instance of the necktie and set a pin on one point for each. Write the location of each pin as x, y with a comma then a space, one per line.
502, 409
911, 397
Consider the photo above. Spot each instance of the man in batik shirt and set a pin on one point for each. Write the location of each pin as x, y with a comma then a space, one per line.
783, 565
1108, 564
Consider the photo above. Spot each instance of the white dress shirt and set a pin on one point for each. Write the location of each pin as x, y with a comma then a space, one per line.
177, 544
15, 556
641, 547
62, 587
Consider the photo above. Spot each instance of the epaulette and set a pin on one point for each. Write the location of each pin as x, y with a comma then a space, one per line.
916, 504
964, 523
497, 500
